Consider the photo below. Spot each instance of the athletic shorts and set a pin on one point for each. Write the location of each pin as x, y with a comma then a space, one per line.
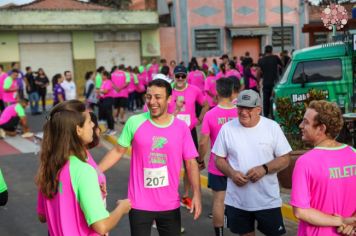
269, 221
217, 182
168, 222
121, 102
11, 125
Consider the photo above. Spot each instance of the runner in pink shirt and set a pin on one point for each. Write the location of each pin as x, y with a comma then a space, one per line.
121, 81
140, 89
212, 123
222, 72
69, 198
210, 89
232, 71
3, 76
152, 69
196, 78
132, 88
106, 102
183, 106
12, 116
324, 179
10, 88
160, 143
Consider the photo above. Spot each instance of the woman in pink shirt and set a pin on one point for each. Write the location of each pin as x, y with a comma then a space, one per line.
69, 197
210, 88
106, 102
222, 72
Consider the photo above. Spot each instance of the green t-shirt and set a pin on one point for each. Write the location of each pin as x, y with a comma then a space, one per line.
98, 80
20, 111
3, 186
7, 82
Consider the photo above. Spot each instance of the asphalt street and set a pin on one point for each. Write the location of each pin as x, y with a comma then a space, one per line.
19, 216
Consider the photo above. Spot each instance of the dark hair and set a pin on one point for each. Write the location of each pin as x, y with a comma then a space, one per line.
28, 68
100, 69
163, 61
268, 49
96, 138
2, 66
247, 54
13, 63
106, 74
88, 75
232, 64
66, 72
136, 70
215, 61
162, 84
223, 68
60, 140
224, 87
205, 59
55, 80
165, 70
15, 71
113, 69
121, 67
236, 83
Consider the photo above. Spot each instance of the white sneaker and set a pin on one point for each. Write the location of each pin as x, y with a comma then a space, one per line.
111, 132
2, 133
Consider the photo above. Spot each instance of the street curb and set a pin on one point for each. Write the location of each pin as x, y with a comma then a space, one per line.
287, 210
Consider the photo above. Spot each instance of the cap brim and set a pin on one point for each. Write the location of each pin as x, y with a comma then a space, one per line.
245, 105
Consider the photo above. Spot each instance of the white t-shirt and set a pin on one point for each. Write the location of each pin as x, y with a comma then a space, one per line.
246, 148
69, 89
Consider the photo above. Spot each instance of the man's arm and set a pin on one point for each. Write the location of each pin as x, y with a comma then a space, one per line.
236, 176
113, 156
23, 122
318, 218
194, 178
203, 149
274, 166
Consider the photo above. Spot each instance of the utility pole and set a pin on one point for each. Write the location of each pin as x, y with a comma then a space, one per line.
282, 27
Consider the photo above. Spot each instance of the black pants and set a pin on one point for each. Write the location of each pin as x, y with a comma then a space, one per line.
132, 98
3, 198
2, 105
105, 109
11, 124
139, 100
43, 92
168, 222
267, 93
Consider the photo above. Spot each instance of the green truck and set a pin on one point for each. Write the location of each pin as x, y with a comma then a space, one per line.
328, 67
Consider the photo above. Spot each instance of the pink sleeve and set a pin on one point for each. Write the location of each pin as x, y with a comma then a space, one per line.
40, 204
205, 125
189, 150
300, 195
207, 84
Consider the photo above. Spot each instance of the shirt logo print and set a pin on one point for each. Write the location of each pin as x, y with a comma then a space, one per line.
158, 142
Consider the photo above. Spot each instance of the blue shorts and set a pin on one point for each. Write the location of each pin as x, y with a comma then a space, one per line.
217, 182
269, 221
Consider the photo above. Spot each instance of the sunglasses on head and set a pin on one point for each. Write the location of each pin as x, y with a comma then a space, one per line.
183, 76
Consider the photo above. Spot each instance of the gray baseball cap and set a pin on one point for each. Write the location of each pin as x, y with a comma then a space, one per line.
248, 98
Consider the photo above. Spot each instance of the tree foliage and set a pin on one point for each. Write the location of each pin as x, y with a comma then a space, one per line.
119, 4
327, 2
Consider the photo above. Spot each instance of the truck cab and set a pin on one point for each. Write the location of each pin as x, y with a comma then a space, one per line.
327, 67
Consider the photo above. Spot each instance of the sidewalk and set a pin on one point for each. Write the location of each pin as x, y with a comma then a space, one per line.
287, 209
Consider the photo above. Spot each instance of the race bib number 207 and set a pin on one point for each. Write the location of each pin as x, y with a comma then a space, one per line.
156, 177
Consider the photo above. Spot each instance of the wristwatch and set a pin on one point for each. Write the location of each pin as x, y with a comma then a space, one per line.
266, 168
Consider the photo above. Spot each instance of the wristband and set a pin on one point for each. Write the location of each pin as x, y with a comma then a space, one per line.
266, 168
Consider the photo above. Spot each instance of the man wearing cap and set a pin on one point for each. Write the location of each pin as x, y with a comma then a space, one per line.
182, 105
250, 151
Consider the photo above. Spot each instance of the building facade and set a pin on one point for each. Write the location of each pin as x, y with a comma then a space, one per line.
209, 28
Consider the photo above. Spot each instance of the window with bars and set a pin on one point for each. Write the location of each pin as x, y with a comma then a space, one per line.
207, 40
277, 36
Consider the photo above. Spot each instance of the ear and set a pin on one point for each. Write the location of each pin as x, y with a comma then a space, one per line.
259, 110
169, 99
79, 130
322, 128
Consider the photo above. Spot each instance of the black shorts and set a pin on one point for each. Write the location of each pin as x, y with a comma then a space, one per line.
11, 125
121, 102
269, 221
168, 222
217, 182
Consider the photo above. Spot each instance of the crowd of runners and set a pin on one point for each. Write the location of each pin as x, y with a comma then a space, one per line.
246, 151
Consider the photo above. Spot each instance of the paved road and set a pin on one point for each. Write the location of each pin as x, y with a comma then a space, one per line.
19, 217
